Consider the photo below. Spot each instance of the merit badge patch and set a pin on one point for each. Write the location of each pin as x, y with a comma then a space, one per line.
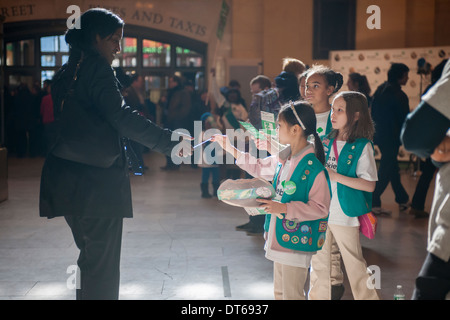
304, 240
323, 226
290, 226
289, 187
321, 240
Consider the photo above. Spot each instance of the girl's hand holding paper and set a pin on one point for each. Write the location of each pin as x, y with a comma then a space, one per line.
226, 145
261, 144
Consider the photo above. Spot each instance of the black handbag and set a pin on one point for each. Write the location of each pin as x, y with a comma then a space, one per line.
82, 134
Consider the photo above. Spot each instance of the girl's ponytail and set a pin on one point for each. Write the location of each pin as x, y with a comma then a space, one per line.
318, 148
338, 81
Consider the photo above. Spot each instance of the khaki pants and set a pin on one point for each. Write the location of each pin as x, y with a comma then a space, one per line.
337, 276
347, 239
289, 282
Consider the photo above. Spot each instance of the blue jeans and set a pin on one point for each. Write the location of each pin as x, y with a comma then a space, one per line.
214, 171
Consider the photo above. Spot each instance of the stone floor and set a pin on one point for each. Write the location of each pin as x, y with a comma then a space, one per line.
178, 245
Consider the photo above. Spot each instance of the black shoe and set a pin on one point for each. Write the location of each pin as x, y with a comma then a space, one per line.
378, 211
418, 214
337, 292
255, 231
244, 227
205, 192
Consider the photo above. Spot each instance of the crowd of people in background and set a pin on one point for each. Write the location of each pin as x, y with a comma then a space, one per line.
30, 129
30, 123
27, 114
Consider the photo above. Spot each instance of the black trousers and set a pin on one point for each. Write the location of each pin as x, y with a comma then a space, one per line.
433, 282
428, 169
389, 171
99, 241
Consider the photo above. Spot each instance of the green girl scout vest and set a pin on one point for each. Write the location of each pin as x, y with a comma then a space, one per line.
306, 236
353, 202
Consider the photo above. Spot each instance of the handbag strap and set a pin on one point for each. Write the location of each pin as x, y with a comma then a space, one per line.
336, 154
74, 79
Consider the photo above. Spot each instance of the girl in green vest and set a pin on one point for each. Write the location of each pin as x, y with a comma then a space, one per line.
296, 219
321, 83
353, 174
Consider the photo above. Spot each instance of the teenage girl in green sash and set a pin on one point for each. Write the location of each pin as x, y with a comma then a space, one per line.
321, 83
296, 219
353, 174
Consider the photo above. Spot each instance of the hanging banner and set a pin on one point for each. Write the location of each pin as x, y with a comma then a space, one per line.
223, 19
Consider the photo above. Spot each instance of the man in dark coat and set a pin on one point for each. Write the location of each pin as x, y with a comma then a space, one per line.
390, 107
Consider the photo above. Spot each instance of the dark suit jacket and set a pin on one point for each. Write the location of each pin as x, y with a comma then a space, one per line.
390, 107
72, 188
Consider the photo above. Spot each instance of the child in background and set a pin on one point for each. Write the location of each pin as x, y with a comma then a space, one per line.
321, 84
359, 83
353, 174
296, 222
208, 168
302, 84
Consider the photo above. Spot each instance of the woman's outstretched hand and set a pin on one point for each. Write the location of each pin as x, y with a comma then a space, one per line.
186, 149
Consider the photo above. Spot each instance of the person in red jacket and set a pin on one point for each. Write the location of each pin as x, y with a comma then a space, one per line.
47, 116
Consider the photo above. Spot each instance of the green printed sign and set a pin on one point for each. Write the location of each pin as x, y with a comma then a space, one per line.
268, 123
250, 128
